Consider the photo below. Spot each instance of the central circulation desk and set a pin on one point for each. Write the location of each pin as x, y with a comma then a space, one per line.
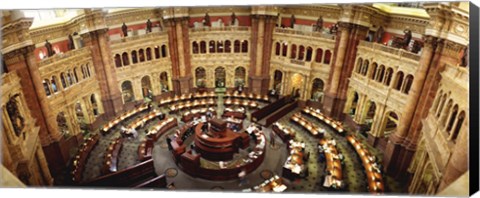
221, 145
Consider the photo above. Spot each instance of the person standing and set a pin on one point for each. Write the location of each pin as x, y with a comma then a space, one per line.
124, 30
149, 26
242, 177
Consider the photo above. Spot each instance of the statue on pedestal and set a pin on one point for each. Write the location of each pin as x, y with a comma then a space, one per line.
407, 38
233, 19
50, 51
379, 36
149, 26
125, 30
71, 45
292, 21
206, 20
319, 26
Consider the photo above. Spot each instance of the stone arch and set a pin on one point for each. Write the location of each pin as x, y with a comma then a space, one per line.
236, 46
164, 51
203, 47
328, 57
211, 46
228, 46
240, 75
195, 47
390, 123
148, 53
301, 52
373, 71
200, 77
398, 80
62, 124
309, 54
388, 76
319, 55
277, 49
245, 46
146, 84
408, 83
54, 84
127, 91
277, 80
164, 82
317, 90
358, 68
46, 86
293, 52
220, 77
365, 67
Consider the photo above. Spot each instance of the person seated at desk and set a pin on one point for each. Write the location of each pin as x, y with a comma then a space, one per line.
205, 127
209, 114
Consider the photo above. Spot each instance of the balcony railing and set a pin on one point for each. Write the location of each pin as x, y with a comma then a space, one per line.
304, 33
225, 28
137, 37
58, 57
391, 50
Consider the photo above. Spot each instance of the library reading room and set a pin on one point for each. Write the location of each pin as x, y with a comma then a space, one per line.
366, 98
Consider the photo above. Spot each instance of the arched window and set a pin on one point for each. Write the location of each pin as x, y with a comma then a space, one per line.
293, 52
309, 54
127, 92
200, 76
284, 49
458, 126
442, 103
380, 73
328, 56
438, 97
148, 52
93, 100
446, 112
365, 67
125, 59
70, 79
164, 51
54, 84
46, 86
358, 68
228, 46
453, 117
164, 82
277, 49
301, 52
408, 83
141, 55
211, 47
240, 74
203, 47
388, 76
195, 48
219, 46
134, 57
64, 82
157, 52
374, 71
318, 57
118, 60
399, 80
75, 74
236, 46
84, 72
88, 69
245, 46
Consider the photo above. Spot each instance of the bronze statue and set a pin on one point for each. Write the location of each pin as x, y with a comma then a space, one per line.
50, 51
71, 45
319, 24
233, 18
292, 21
149, 26
407, 37
465, 58
16, 119
206, 20
125, 30
380, 33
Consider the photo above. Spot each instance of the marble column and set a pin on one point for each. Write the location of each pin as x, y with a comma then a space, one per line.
179, 50
98, 42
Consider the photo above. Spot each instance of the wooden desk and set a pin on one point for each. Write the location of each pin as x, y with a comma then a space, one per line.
81, 158
111, 156
312, 129
284, 132
162, 127
250, 96
333, 164
294, 167
335, 125
273, 184
107, 127
374, 176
